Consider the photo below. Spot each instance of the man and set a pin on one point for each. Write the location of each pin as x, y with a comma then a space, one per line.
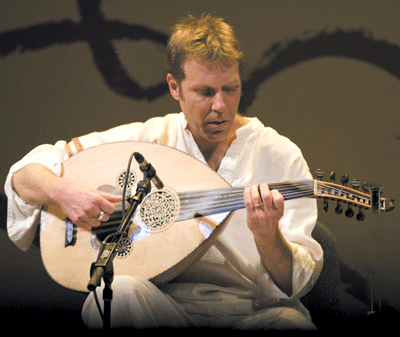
264, 261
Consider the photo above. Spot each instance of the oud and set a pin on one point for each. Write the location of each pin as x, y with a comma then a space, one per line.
174, 226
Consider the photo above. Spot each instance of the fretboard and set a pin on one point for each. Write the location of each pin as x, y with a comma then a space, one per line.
207, 202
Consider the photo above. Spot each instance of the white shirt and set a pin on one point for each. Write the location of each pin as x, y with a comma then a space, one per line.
258, 154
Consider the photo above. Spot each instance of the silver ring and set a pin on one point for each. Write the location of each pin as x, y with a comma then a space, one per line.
257, 206
101, 216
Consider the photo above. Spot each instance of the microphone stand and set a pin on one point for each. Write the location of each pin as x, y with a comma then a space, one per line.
103, 267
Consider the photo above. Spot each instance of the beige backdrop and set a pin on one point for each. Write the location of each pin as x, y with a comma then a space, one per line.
343, 113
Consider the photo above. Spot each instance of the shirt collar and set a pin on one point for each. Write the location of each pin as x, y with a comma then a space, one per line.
241, 133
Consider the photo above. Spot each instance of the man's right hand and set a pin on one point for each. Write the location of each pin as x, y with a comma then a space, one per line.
83, 205
38, 185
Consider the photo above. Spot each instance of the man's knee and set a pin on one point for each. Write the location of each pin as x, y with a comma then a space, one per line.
133, 286
292, 319
279, 318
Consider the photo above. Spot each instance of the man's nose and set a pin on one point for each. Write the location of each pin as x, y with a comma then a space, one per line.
219, 103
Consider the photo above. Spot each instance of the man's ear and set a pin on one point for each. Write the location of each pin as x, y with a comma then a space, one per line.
173, 86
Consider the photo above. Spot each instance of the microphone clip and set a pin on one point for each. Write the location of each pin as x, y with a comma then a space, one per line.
148, 170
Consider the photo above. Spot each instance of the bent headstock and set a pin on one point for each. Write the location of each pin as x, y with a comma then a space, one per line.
369, 199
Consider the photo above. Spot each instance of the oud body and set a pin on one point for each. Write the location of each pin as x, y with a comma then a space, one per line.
157, 254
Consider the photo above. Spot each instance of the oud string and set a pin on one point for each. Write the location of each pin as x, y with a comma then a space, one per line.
229, 199
207, 202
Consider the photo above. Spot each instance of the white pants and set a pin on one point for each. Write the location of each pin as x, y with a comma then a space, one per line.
139, 303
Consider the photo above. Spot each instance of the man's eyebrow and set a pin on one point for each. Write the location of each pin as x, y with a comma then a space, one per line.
234, 85
201, 87
206, 86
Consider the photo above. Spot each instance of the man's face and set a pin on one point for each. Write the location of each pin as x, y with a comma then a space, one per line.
209, 97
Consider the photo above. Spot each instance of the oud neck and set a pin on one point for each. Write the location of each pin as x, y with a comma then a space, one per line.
295, 190
208, 202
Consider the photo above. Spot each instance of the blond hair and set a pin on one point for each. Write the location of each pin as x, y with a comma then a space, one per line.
207, 38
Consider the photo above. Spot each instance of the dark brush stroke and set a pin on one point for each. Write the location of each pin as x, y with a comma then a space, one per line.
99, 34
105, 56
49, 34
347, 44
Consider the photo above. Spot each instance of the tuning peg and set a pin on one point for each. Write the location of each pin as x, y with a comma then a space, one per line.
349, 213
326, 204
344, 179
319, 174
355, 183
339, 208
360, 216
332, 176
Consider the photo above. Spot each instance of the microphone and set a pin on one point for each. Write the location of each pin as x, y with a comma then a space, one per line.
149, 170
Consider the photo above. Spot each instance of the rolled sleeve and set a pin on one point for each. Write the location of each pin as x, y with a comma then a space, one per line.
304, 268
23, 218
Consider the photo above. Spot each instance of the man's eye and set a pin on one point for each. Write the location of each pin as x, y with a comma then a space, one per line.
231, 89
207, 92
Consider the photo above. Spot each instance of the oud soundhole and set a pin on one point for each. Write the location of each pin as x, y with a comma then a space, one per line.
121, 178
124, 248
159, 209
